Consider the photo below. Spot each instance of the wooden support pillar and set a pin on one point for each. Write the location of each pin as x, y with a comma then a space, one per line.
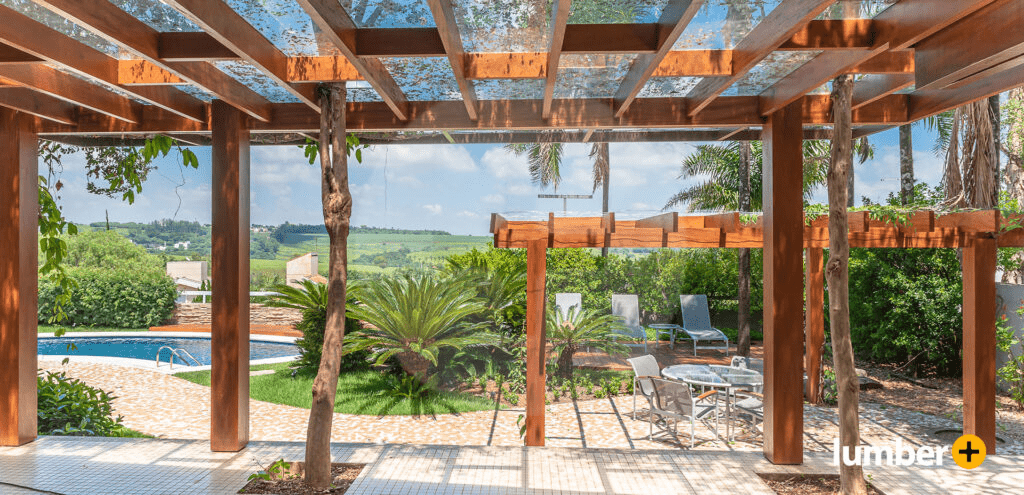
229, 381
979, 311
814, 327
19, 205
783, 284
536, 339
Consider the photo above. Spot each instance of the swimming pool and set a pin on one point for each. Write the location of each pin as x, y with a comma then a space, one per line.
145, 348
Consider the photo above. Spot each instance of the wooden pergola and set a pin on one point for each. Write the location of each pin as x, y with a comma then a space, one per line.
229, 75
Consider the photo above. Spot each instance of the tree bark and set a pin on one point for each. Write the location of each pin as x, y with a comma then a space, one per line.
565, 367
743, 293
604, 159
906, 165
837, 273
337, 209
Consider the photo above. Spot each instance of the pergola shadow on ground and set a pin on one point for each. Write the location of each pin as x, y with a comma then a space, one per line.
110, 73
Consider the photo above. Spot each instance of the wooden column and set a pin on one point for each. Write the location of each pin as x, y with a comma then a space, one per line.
536, 338
19, 204
814, 327
979, 311
229, 381
783, 284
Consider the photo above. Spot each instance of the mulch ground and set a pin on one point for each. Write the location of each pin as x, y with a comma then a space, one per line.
809, 485
342, 475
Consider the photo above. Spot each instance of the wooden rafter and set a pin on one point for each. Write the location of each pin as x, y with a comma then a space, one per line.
674, 19
233, 31
12, 55
30, 36
905, 23
559, 21
890, 62
444, 18
71, 89
811, 75
337, 26
38, 104
106, 20
926, 103
873, 87
785, 20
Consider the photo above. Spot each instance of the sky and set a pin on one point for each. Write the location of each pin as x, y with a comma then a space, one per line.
447, 187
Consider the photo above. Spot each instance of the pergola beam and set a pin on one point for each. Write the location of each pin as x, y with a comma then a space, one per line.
66, 87
444, 18
926, 103
673, 21
559, 20
37, 104
873, 87
816, 72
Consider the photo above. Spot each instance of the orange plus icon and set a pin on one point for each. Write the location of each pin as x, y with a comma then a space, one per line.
968, 451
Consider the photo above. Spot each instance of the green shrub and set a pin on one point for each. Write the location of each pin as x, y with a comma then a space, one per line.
69, 407
112, 298
905, 306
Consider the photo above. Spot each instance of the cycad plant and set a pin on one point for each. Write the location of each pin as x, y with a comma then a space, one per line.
413, 317
311, 299
581, 328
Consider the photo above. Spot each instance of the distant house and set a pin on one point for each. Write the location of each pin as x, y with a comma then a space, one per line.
188, 275
305, 267
182, 245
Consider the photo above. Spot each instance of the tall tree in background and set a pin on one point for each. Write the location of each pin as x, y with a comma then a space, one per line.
906, 164
838, 276
971, 175
743, 259
1013, 145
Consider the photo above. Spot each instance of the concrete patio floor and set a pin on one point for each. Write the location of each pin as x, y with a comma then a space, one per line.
70, 465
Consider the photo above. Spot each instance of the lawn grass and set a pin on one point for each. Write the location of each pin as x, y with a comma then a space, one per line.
364, 392
53, 329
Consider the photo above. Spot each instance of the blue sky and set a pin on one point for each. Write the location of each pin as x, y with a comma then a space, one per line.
447, 187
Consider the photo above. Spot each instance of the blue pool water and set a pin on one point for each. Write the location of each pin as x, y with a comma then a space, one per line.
146, 348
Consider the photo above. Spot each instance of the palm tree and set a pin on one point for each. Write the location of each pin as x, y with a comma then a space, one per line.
413, 317
581, 328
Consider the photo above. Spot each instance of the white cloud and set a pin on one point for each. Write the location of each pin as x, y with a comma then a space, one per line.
504, 164
521, 190
468, 214
429, 158
496, 199
434, 209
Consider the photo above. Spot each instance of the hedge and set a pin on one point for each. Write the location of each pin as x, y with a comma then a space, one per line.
109, 298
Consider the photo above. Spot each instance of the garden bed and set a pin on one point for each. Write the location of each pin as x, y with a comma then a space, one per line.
813, 484
290, 482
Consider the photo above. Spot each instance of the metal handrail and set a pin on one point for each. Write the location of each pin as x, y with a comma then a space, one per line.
176, 352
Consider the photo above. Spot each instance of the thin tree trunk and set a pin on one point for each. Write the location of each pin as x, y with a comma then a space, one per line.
906, 165
743, 293
337, 207
606, 163
837, 273
1014, 149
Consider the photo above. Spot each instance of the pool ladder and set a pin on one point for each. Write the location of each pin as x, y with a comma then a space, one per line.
179, 353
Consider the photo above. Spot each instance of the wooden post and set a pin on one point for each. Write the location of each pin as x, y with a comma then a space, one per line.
783, 274
536, 339
19, 204
229, 381
979, 311
814, 332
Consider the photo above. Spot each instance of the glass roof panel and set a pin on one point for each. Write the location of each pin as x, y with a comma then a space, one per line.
389, 13
769, 71
616, 11
503, 25
721, 24
283, 22
252, 77
591, 76
856, 9
194, 91
61, 25
662, 87
424, 78
157, 15
509, 89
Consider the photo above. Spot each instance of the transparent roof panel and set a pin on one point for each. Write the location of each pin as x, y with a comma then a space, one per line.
503, 25
252, 77
856, 9
157, 15
615, 11
424, 78
283, 22
510, 89
61, 25
194, 91
662, 87
768, 72
721, 24
388, 13
591, 76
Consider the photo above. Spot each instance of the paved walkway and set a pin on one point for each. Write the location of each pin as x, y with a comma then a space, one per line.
70, 465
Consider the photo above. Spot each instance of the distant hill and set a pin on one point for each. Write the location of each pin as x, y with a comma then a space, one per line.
280, 233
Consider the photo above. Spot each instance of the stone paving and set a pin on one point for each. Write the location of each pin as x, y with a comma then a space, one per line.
94, 466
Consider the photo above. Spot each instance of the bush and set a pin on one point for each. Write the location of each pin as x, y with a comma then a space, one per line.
113, 298
905, 306
69, 407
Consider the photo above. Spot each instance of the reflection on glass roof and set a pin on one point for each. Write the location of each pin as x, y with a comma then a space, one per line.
194, 91
158, 15
283, 22
362, 95
424, 78
615, 11
591, 76
61, 25
856, 9
768, 72
721, 24
510, 89
662, 87
252, 77
389, 13
503, 25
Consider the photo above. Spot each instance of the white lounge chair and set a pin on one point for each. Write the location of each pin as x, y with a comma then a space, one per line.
697, 323
627, 308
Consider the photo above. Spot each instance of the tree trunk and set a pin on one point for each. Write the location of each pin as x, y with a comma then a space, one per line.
565, 367
337, 207
837, 273
1014, 149
604, 158
743, 293
906, 165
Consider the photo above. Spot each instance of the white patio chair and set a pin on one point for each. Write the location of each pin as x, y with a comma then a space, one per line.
627, 308
645, 368
749, 408
697, 323
674, 400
